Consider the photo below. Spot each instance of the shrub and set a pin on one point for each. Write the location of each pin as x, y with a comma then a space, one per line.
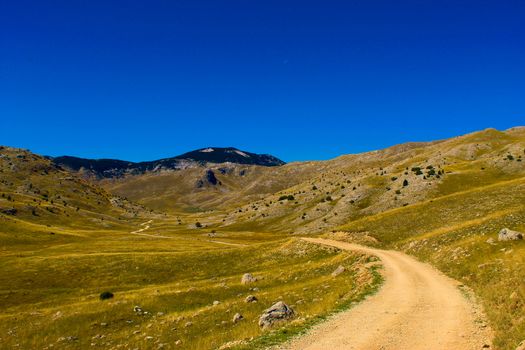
405, 183
198, 224
106, 295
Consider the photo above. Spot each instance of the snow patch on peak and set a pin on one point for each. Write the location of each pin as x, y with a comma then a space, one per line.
207, 150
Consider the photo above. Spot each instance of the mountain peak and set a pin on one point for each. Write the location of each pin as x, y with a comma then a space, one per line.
230, 155
117, 168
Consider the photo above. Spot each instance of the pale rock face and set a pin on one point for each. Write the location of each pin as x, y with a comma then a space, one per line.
509, 235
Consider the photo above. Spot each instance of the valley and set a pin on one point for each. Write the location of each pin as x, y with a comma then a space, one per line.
171, 241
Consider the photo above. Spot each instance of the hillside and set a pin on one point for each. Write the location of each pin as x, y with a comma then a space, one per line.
312, 197
41, 202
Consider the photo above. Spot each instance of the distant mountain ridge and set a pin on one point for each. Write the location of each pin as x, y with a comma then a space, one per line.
117, 168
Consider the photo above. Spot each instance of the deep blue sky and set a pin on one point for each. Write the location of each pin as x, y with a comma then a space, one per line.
141, 80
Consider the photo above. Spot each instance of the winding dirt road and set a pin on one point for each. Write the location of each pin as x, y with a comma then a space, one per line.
417, 308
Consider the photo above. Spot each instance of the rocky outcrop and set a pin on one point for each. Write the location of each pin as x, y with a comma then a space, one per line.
509, 235
276, 313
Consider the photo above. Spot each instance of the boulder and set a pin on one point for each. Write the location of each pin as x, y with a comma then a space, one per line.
248, 278
340, 269
277, 312
509, 235
237, 317
521, 346
251, 299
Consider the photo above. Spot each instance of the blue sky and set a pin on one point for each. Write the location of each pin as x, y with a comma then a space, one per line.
141, 80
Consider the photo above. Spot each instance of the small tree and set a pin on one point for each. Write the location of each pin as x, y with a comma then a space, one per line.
405, 183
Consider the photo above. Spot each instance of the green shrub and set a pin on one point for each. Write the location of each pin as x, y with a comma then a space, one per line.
106, 295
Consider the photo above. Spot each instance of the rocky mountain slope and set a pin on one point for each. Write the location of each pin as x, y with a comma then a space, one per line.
311, 197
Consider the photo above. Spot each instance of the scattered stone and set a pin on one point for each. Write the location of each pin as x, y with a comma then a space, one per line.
103, 324
237, 317
521, 346
340, 269
188, 324
216, 302
248, 278
509, 235
277, 312
178, 342
138, 310
490, 241
251, 299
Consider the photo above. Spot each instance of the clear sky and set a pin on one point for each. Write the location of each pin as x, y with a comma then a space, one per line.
141, 80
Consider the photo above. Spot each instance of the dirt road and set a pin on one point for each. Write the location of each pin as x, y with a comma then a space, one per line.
416, 308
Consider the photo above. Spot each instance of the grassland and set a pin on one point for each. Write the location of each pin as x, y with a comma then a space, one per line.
50, 288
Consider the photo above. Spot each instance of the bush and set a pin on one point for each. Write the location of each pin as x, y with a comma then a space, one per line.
198, 224
405, 183
106, 295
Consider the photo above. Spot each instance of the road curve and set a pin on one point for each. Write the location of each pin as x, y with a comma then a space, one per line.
416, 308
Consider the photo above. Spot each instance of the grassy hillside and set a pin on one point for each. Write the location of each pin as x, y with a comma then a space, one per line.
456, 230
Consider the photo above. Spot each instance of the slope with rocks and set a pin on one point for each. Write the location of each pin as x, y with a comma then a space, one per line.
40, 201
354, 186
